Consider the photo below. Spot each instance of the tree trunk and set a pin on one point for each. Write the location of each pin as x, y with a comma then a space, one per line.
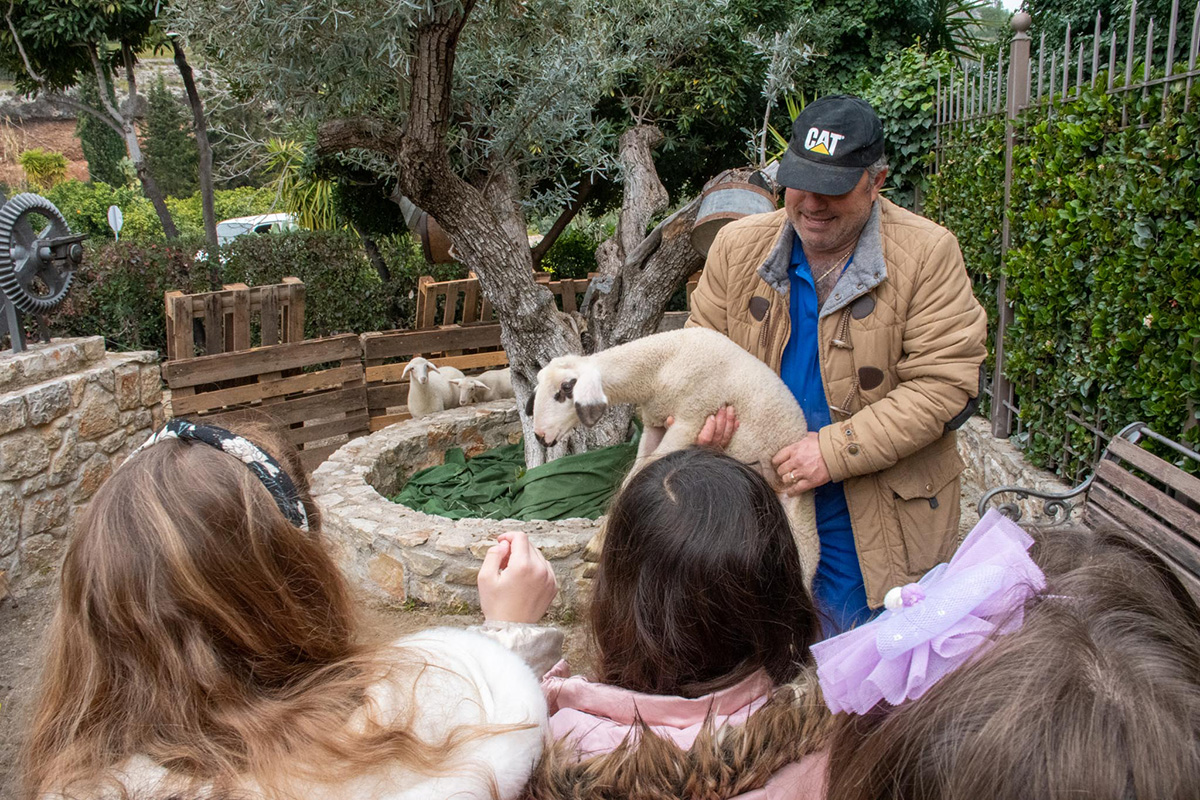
203, 146
564, 219
487, 231
149, 185
374, 256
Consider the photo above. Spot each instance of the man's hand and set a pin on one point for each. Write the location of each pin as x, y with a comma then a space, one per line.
516, 583
800, 465
718, 429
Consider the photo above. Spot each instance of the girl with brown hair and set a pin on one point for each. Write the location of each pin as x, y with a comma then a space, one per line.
205, 646
1088, 686
701, 626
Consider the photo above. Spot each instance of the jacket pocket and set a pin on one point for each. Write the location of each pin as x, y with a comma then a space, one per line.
925, 494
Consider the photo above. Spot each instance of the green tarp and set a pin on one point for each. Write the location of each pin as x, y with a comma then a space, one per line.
495, 484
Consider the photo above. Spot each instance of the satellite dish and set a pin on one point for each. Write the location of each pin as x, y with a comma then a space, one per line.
115, 220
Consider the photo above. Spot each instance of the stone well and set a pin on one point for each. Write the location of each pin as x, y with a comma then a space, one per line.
398, 553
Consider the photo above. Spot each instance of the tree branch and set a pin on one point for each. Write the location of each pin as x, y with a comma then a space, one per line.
359, 133
130, 76
103, 85
569, 213
70, 102
21, 49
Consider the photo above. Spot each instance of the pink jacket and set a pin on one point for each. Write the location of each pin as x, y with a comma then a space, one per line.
597, 718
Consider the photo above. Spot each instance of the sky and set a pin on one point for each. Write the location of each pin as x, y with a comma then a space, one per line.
1011, 5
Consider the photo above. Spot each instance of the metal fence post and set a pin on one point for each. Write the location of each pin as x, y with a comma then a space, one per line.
1018, 98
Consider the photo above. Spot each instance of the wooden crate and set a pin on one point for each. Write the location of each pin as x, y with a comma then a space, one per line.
315, 389
461, 302
470, 348
441, 303
227, 316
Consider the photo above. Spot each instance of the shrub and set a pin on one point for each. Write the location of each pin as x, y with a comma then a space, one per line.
43, 168
573, 254
85, 206
1102, 272
903, 93
119, 289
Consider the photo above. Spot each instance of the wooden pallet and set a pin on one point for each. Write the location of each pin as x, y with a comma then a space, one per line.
315, 389
227, 317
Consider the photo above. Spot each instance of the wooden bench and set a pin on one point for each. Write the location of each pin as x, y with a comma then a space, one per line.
1134, 490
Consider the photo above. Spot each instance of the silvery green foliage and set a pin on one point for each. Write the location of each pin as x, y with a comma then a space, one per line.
785, 53
529, 75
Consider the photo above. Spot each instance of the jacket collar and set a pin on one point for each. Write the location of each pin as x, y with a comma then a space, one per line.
728, 761
867, 269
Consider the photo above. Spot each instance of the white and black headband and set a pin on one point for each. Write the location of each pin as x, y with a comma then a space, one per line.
269, 472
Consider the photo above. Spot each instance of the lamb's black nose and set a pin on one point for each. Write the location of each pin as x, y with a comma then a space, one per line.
541, 439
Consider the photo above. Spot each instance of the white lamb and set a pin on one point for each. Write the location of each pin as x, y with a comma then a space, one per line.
429, 389
495, 384
688, 374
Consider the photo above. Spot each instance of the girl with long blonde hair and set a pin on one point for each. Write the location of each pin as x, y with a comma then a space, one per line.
205, 645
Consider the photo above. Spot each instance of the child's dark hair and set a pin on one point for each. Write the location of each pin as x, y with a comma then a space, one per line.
699, 582
1097, 695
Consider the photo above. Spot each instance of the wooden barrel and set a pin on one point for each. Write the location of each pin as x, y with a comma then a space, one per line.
721, 204
435, 244
434, 241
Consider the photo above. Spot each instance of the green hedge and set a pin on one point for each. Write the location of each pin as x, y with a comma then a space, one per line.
1104, 274
119, 290
85, 207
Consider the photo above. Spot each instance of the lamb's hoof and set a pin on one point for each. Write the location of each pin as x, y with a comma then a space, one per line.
591, 553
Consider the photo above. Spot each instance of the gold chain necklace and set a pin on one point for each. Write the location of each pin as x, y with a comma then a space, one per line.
840, 262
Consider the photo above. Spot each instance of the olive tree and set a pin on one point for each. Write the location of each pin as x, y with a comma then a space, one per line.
476, 109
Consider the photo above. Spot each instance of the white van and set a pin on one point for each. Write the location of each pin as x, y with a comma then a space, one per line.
230, 229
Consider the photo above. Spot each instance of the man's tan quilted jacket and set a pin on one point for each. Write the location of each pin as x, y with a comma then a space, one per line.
901, 341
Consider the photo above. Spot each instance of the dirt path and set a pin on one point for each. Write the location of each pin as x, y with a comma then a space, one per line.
25, 618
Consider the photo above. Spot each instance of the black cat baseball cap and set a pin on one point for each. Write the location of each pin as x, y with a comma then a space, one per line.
833, 140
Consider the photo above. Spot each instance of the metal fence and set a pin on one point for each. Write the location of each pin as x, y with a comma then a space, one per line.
1030, 85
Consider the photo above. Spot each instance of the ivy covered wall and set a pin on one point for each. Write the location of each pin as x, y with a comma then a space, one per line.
1104, 270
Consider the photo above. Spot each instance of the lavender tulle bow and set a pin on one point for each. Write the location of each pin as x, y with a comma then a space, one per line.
932, 627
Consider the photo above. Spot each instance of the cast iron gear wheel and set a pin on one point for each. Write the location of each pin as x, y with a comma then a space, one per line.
21, 264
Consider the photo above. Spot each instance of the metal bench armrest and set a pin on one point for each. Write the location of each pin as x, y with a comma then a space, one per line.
1057, 507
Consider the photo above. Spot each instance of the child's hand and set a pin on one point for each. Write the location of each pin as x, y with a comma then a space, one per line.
516, 583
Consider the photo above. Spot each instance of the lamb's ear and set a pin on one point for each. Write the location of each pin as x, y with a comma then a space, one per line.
433, 367
407, 367
590, 400
454, 381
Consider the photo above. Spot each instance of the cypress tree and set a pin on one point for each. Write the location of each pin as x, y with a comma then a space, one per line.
103, 147
168, 143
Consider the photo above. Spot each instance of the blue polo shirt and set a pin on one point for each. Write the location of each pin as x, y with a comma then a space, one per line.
838, 587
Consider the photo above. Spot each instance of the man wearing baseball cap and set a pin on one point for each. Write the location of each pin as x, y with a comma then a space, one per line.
866, 311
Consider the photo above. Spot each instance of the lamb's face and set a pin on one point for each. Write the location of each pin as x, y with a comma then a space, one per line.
568, 392
470, 391
419, 368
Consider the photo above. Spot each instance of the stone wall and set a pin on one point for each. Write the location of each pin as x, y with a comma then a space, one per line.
995, 462
69, 413
398, 553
